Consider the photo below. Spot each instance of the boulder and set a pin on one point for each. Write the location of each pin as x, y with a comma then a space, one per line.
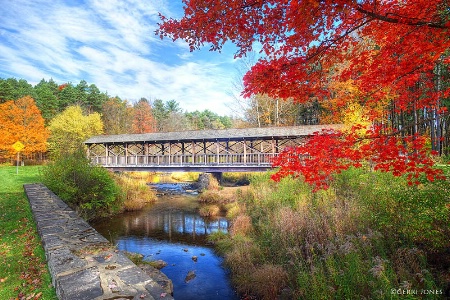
159, 277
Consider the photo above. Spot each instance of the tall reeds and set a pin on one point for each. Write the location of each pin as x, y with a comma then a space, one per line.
135, 193
360, 239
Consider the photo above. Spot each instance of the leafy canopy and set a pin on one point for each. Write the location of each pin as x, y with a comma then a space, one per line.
71, 128
386, 49
386, 43
22, 121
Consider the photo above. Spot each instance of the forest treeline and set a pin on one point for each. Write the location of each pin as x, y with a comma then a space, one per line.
120, 116
48, 114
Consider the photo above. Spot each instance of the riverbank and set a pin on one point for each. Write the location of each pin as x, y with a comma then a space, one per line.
367, 237
23, 270
83, 264
171, 230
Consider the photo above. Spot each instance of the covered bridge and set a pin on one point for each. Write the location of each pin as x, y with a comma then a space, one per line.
225, 150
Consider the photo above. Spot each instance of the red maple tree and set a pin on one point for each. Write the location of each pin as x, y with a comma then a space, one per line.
388, 49
143, 121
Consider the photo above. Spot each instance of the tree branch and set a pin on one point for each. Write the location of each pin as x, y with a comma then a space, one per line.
408, 22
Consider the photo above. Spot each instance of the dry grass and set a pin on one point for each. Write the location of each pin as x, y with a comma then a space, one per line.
209, 197
136, 193
267, 281
241, 225
250, 274
185, 176
209, 210
221, 196
244, 256
233, 210
213, 184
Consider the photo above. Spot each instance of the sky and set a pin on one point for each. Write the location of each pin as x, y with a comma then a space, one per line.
112, 44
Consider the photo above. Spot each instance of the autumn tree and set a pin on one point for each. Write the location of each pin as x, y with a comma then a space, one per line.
71, 128
117, 116
22, 121
391, 48
143, 120
261, 110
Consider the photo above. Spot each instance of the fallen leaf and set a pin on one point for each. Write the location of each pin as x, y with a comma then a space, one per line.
108, 256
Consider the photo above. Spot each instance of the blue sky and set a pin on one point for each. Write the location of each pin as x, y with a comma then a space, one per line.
112, 44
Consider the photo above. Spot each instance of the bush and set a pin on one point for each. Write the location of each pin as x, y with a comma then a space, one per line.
135, 192
211, 197
88, 189
367, 234
209, 210
417, 215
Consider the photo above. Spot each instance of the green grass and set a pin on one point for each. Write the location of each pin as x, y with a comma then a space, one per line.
23, 269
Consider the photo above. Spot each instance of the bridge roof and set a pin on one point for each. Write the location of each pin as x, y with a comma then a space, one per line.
213, 135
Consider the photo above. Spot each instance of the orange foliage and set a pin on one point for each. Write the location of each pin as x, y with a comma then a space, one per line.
21, 120
143, 121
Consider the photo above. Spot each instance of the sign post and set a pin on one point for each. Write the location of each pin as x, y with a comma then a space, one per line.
17, 146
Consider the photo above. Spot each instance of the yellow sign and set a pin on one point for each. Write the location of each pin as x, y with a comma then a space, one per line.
18, 146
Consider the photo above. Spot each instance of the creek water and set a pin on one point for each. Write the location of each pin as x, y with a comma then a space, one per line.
172, 230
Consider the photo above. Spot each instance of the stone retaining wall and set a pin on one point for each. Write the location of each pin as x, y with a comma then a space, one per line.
83, 264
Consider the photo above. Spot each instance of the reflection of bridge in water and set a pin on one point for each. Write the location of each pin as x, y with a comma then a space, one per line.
174, 225
233, 150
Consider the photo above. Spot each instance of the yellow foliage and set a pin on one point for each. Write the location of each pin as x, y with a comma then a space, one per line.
355, 114
348, 107
71, 128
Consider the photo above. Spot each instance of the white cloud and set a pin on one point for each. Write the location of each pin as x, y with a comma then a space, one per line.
110, 43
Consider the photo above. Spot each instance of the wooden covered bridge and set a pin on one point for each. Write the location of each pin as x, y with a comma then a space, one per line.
227, 150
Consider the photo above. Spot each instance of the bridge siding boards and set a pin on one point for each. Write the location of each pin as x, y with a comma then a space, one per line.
248, 149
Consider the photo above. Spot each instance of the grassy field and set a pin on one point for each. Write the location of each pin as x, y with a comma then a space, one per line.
23, 269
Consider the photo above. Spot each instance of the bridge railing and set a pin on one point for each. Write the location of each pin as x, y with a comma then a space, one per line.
258, 159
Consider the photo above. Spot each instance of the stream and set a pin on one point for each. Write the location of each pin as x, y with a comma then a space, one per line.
172, 230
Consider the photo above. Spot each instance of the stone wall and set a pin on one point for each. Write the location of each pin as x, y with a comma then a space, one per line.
83, 264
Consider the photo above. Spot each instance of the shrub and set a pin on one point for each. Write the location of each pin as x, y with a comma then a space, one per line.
209, 210
367, 234
267, 280
413, 214
242, 224
135, 191
88, 189
209, 196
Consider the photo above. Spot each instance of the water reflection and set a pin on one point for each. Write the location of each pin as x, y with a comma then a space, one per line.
170, 218
172, 230
175, 223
